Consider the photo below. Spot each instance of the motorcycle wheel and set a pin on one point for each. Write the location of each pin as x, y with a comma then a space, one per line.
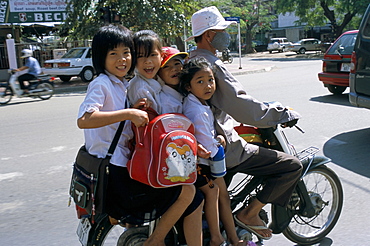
231, 59
135, 236
103, 233
6, 94
48, 91
326, 193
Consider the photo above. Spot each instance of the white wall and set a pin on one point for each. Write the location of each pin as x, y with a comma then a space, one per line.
287, 20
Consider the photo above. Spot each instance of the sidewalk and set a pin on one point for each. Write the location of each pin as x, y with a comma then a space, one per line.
76, 85
247, 67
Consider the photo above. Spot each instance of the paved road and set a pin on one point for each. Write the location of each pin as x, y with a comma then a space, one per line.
40, 141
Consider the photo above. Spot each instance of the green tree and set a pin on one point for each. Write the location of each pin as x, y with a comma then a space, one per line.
255, 17
167, 18
338, 13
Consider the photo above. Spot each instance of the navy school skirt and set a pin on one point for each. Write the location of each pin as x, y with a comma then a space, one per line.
134, 202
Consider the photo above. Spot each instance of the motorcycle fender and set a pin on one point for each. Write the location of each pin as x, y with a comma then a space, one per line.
315, 161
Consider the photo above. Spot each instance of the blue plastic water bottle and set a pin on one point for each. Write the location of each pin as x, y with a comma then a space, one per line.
217, 164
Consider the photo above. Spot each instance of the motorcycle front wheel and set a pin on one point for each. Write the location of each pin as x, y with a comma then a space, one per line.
5, 94
231, 59
326, 194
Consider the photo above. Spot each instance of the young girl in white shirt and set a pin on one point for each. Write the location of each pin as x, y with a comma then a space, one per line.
197, 81
100, 113
168, 76
148, 61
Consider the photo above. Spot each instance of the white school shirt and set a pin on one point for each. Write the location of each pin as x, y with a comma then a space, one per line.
141, 87
203, 120
171, 99
106, 93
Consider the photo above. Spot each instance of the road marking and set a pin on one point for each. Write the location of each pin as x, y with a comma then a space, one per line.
10, 206
4, 176
52, 149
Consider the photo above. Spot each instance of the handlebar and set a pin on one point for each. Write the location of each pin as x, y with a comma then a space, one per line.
299, 129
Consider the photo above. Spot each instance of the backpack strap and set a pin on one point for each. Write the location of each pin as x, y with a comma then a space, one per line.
113, 145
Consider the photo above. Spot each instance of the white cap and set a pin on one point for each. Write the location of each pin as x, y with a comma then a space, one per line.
207, 19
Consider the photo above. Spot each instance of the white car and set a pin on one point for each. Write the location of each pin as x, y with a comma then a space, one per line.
76, 62
303, 45
278, 44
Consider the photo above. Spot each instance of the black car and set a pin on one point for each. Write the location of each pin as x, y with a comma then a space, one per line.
359, 79
259, 46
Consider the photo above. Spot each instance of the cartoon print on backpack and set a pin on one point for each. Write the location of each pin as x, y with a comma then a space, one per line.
180, 162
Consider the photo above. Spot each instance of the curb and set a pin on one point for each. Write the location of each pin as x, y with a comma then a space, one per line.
71, 89
83, 88
262, 70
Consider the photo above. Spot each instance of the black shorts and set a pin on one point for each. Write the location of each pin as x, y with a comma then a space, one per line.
128, 198
204, 176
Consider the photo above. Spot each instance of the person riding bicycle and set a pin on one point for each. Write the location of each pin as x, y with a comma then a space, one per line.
33, 67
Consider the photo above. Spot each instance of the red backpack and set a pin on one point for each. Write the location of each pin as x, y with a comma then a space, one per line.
165, 152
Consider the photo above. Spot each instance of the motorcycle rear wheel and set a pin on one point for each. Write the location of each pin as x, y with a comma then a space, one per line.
326, 193
48, 91
5, 94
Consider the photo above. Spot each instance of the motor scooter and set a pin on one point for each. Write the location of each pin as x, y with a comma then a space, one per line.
42, 87
312, 212
225, 56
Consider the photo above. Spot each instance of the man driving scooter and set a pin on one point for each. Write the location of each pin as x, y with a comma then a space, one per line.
33, 67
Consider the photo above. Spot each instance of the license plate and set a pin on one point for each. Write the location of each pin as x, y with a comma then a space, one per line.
83, 230
346, 67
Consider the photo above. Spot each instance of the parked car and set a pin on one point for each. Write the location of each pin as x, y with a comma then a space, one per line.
259, 46
336, 63
278, 44
359, 78
76, 62
303, 45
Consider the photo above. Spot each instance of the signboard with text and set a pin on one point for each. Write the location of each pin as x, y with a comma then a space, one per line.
29, 11
237, 19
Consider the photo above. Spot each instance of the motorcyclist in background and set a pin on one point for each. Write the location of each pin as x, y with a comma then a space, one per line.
225, 54
33, 67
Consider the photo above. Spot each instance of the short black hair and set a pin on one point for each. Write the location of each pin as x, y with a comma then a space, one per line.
193, 66
198, 39
146, 40
106, 39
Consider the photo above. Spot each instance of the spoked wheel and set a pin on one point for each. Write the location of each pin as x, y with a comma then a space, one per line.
5, 94
47, 91
102, 233
326, 194
136, 236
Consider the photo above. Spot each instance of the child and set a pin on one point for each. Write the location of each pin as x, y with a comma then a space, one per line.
168, 76
197, 81
99, 114
149, 57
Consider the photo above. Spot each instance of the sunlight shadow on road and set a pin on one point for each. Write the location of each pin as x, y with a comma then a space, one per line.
333, 99
350, 150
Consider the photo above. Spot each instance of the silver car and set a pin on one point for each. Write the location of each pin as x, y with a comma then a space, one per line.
278, 44
303, 45
76, 62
